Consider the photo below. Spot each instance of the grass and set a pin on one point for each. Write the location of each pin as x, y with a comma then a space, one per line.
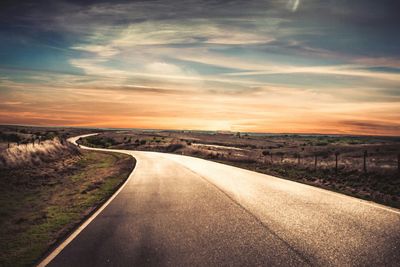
39, 206
384, 190
35, 154
279, 156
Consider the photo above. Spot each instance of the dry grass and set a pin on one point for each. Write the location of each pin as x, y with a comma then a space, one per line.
40, 204
36, 154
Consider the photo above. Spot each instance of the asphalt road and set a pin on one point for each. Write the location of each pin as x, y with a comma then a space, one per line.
182, 211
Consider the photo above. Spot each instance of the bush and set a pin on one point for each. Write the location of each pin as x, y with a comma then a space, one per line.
15, 138
97, 141
173, 147
321, 144
265, 153
30, 154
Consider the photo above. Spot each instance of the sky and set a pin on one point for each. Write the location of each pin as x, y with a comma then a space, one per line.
277, 66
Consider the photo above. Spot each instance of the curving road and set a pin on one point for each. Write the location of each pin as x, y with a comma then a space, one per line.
182, 211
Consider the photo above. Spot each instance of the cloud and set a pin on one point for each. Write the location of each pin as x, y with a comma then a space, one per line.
12, 103
239, 65
164, 69
99, 50
190, 31
372, 127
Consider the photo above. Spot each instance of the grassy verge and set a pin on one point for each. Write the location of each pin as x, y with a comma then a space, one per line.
370, 186
40, 205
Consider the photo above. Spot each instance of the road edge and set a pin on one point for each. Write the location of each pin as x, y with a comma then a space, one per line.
75, 233
57, 250
316, 188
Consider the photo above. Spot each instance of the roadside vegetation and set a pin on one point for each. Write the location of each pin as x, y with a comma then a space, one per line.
14, 135
36, 153
366, 167
47, 189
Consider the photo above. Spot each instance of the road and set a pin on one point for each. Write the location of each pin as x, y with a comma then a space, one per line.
182, 211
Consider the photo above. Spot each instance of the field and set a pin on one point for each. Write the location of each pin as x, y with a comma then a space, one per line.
48, 186
366, 167
47, 189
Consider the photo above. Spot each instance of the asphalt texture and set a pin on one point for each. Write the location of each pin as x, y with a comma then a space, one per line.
183, 211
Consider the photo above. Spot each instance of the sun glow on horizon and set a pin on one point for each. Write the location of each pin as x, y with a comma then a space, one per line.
260, 66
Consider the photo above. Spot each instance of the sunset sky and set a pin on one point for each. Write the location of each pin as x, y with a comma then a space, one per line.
303, 66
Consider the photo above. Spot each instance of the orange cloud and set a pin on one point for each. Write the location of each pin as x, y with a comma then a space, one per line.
275, 110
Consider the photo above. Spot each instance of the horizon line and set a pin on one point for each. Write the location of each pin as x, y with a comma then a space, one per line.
193, 130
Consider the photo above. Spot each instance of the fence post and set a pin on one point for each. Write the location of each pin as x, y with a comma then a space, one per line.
315, 162
398, 162
336, 162
365, 161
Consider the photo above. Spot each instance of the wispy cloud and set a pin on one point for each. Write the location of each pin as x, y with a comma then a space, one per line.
232, 65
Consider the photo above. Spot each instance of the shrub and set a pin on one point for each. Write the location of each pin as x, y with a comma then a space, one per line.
265, 153
98, 141
30, 154
173, 147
